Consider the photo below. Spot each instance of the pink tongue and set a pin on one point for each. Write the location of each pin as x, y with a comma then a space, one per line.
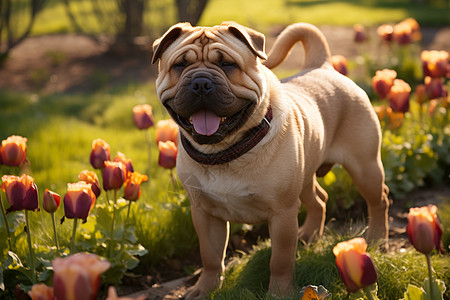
205, 122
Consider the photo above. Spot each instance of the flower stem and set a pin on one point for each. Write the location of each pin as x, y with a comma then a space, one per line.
430, 274
113, 224
30, 248
149, 149
368, 293
74, 231
8, 233
54, 231
122, 241
174, 181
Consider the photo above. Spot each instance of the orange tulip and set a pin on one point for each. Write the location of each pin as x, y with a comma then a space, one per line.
100, 153
167, 154
113, 175
435, 63
407, 31
90, 177
383, 81
380, 110
13, 151
421, 94
360, 33
399, 96
166, 130
355, 264
143, 116
41, 292
51, 201
79, 200
424, 229
340, 63
120, 157
395, 118
77, 277
21, 192
385, 32
415, 28
132, 190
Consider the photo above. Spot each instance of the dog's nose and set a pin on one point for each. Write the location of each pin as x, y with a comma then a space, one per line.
202, 86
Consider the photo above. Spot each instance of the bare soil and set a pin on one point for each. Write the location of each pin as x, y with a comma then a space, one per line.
75, 63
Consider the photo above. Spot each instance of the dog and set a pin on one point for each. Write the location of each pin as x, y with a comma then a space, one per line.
251, 146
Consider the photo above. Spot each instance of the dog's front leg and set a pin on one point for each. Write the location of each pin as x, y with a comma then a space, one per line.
283, 230
213, 238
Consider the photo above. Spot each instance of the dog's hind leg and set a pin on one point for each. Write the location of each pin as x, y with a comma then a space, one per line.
314, 198
368, 176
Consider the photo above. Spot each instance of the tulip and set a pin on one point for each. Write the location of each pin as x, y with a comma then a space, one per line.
435, 63
167, 154
355, 265
434, 87
13, 151
415, 29
340, 63
77, 277
79, 200
132, 190
120, 157
143, 116
41, 292
380, 110
399, 96
51, 201
90, 177
100, 153
385, 32
421, 94
424, 229
166, 130
383, 81
395, 118
360, 33
113, 175
21, 192
407, 31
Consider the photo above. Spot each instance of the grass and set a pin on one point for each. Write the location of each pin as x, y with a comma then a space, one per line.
259, 14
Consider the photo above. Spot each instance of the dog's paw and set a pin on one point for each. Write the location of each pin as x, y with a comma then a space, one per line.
195, 293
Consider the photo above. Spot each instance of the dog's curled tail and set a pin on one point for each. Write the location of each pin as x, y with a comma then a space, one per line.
317, 53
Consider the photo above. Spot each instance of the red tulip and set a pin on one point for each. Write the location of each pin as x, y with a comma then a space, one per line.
51, 201
167, 154
383, 81
77, 277
385, 32
435, 63
424, 229
13, 151
421, 93
113, 175
90, 177
21, 192
355, 264
340, 63
399, 96
132, 190
166, 130
360, 33
100, 153
435, 87
41, 292
120, 157
143, 116
79, 200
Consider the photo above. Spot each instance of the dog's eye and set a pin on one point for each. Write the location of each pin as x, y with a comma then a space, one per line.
180, 66
228, 65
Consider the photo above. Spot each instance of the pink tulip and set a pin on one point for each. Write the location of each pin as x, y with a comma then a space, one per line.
383, 81
143, 116
435, 63
113, 175
21, 192
424, 229
41, 292
167, 154
399, 96
79, 200
100, 153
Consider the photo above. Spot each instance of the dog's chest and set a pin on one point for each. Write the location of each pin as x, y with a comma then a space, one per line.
230, 198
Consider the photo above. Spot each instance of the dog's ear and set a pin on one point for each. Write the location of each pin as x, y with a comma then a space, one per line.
252, 38
161, 44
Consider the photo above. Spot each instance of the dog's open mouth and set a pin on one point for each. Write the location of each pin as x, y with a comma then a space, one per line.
208, 128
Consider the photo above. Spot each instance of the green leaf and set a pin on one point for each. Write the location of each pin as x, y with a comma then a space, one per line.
438, 288
415, 293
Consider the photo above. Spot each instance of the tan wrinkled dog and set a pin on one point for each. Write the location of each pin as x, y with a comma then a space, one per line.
250, 146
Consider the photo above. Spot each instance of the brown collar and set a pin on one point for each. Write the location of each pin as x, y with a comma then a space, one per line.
251, 138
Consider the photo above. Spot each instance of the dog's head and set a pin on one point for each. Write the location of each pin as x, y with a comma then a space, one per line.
210, 78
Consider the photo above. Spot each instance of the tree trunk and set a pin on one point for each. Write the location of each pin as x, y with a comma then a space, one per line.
190, 10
